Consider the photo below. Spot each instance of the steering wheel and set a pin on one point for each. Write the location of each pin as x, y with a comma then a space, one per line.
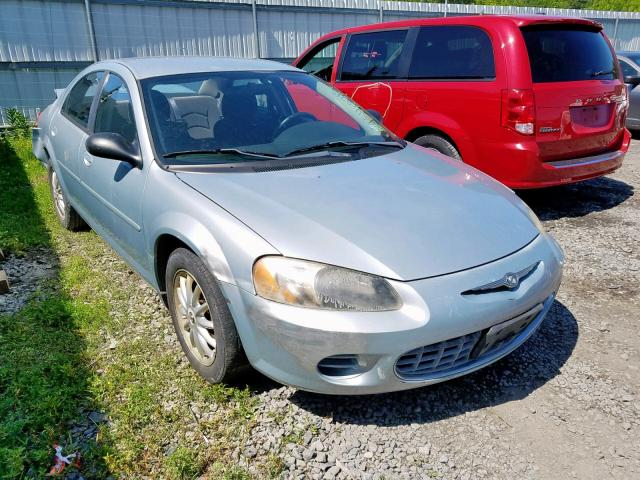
293, 120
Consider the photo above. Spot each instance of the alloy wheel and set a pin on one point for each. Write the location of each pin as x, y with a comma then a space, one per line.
194, 317
58, 196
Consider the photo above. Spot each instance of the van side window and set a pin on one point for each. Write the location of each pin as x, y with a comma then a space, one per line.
77, 105
320, 62
372, 56
456, 52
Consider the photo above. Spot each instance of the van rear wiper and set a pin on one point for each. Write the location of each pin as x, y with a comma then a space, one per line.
601, 73
340, 143
220, 151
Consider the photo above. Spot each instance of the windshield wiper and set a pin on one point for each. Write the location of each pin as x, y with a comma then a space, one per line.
601, 73
220, 151
340, 143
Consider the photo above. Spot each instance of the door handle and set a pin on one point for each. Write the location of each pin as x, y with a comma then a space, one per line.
54, 131
87, 160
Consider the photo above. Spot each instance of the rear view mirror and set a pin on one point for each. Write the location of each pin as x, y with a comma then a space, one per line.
115, 147
632, 80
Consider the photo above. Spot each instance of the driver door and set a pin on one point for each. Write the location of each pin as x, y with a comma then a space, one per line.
116, 185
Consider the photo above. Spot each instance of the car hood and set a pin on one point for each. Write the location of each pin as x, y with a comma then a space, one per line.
406, 215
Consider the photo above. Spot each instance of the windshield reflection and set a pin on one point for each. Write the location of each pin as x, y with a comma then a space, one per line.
246, 116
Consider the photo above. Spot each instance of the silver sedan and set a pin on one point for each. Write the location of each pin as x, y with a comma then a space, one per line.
283, 225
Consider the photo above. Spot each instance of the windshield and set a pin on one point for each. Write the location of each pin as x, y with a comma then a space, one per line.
224, 117
568, 53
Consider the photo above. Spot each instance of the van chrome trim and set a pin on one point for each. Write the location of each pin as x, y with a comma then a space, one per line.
580, 162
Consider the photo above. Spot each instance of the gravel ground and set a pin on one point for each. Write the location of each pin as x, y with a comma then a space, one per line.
564, 405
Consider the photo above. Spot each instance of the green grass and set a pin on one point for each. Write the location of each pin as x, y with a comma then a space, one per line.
23, 197
55, 363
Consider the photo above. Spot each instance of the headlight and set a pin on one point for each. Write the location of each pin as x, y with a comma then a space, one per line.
316, 285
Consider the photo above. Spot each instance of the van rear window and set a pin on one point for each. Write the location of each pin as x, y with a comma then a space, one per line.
568, 54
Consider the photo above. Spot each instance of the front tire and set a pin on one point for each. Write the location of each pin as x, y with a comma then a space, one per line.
68, 217
439, 144
201, 318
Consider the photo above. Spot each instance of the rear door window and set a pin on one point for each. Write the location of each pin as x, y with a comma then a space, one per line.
77, 105
568, 54
373, 56
452, 53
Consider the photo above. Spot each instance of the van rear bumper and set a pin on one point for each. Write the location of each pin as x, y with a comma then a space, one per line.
548, 174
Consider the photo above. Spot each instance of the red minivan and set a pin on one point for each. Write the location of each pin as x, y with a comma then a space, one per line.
533, 101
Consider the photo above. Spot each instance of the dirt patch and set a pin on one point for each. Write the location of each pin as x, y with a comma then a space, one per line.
26, 273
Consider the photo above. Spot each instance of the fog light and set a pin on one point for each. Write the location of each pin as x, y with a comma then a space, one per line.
344, 365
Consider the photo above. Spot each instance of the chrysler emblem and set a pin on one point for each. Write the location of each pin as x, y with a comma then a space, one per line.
511, 280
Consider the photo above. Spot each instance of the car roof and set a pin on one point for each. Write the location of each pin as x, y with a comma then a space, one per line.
146, 67
480, 20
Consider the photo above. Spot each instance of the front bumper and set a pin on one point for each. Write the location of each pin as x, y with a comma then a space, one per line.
286, 343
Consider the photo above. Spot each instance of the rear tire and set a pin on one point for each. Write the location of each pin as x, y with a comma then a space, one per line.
439, 144
68, 217
201, 318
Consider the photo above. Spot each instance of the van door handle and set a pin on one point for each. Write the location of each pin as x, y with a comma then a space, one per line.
87, 160
54, 131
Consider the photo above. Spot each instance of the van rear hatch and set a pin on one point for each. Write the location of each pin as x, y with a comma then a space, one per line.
580, 100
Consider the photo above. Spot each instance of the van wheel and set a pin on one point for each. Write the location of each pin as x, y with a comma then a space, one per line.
68, 217
201, 318
439, 144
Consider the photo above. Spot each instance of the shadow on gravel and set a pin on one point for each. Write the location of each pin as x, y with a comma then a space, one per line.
44, 369
578, 199
532, 365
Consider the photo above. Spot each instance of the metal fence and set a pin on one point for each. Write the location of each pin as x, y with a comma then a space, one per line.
43, 44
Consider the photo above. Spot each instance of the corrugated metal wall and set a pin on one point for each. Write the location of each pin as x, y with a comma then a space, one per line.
43, 44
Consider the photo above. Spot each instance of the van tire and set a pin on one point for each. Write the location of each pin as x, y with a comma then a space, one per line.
439, 144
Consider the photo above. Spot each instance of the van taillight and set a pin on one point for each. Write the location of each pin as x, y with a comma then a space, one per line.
518, 110
38, 113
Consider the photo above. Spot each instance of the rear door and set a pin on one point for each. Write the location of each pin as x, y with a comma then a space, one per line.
373, 72
454, 84
68, 130
579, 96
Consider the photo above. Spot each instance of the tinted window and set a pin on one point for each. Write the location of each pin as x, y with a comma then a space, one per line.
77, 106
114, 113
373, 55
565, 54
321, 62
452, 53
627, 70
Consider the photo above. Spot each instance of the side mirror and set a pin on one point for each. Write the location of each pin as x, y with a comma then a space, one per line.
375, 114
113, 146
632, 80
